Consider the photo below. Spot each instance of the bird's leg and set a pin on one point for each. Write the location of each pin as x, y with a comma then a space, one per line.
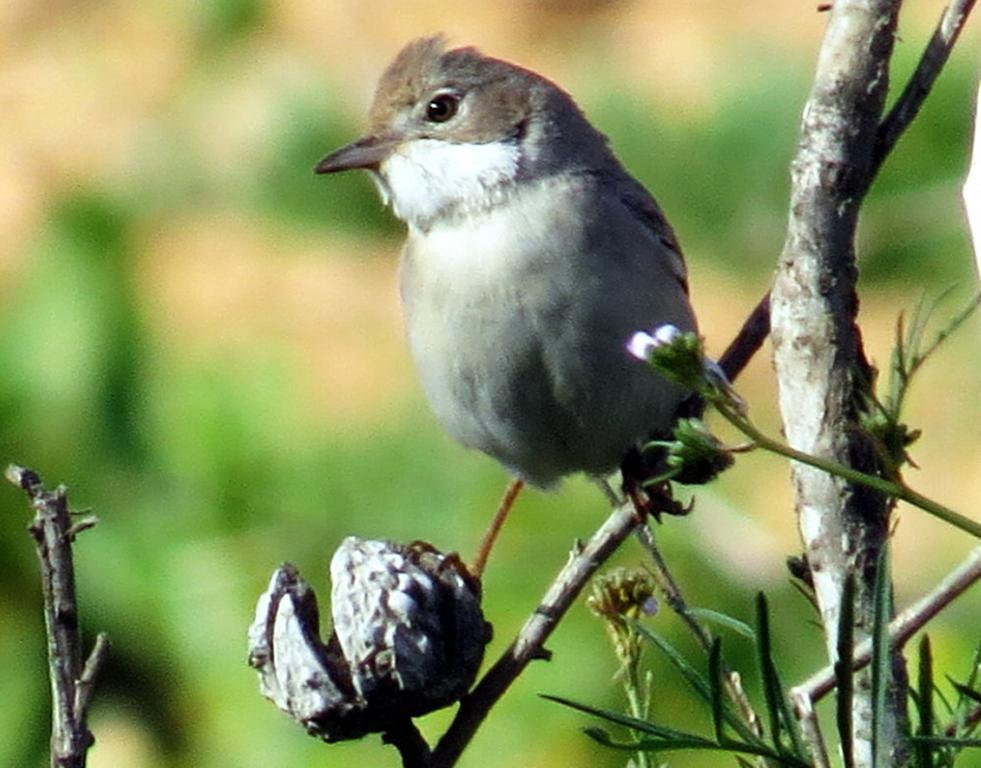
487, 544
643, 505
634, 470
648, 498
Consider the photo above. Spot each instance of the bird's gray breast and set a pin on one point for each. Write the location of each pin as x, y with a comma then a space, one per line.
517, 321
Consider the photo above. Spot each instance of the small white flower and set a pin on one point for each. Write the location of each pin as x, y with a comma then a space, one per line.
642, 343
665, 335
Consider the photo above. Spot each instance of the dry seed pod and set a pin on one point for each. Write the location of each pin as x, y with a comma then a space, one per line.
408, 638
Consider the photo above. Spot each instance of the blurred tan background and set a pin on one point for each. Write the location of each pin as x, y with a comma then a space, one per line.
203, 341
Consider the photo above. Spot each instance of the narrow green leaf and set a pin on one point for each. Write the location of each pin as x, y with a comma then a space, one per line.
881, 657
696, 681
764, 649
782, 720
642, 726
715, 679
845, 671
595, 732
924, 702
691, 741
943, 699
914, 696
808, 595
691, 675
952, 325
975, 674
698, 744
665, 739
949, 741
910, 354
966, 692
724, 620
746, 749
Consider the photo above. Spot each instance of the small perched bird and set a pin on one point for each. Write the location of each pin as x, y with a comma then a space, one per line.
532, 256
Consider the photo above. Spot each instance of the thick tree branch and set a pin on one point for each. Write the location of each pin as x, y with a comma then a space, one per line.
817, 349
71, 681
821, 369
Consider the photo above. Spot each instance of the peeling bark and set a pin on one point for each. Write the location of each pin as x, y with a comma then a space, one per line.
821, 367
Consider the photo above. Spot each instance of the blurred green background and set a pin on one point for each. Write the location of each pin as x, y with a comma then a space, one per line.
202, 340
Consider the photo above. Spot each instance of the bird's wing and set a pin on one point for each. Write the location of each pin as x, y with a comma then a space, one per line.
642, 205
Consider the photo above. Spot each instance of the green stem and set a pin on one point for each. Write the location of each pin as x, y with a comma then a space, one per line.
637, 709
887, 487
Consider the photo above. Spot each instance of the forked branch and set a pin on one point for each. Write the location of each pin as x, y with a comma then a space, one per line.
72, 680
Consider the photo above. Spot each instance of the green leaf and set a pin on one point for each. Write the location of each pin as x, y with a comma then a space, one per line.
967, 692
881, 657
808, 595
691, 741
724, 620
715, 679
765, 661
696, 681
666, 739
924, 702
635, 724
943, 699
781, 719
948, 741
845, 671
694, 743
691, 675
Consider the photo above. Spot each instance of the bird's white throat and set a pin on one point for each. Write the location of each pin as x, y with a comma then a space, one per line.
428, 178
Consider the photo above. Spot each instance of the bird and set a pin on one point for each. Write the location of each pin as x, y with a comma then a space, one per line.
531, 257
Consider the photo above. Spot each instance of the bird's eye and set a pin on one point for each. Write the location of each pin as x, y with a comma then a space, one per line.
442, 107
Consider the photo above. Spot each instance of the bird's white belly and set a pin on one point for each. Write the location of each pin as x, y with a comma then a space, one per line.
520, 339
475, 341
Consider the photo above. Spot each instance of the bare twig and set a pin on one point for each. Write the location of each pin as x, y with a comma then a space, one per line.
934, 57
676, 601
71, 683
904, 626
963, 723
412, 747
748, 341
672, 592
90, 672
811, 729
530, 642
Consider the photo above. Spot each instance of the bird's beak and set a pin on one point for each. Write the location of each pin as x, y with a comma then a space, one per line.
367, 152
